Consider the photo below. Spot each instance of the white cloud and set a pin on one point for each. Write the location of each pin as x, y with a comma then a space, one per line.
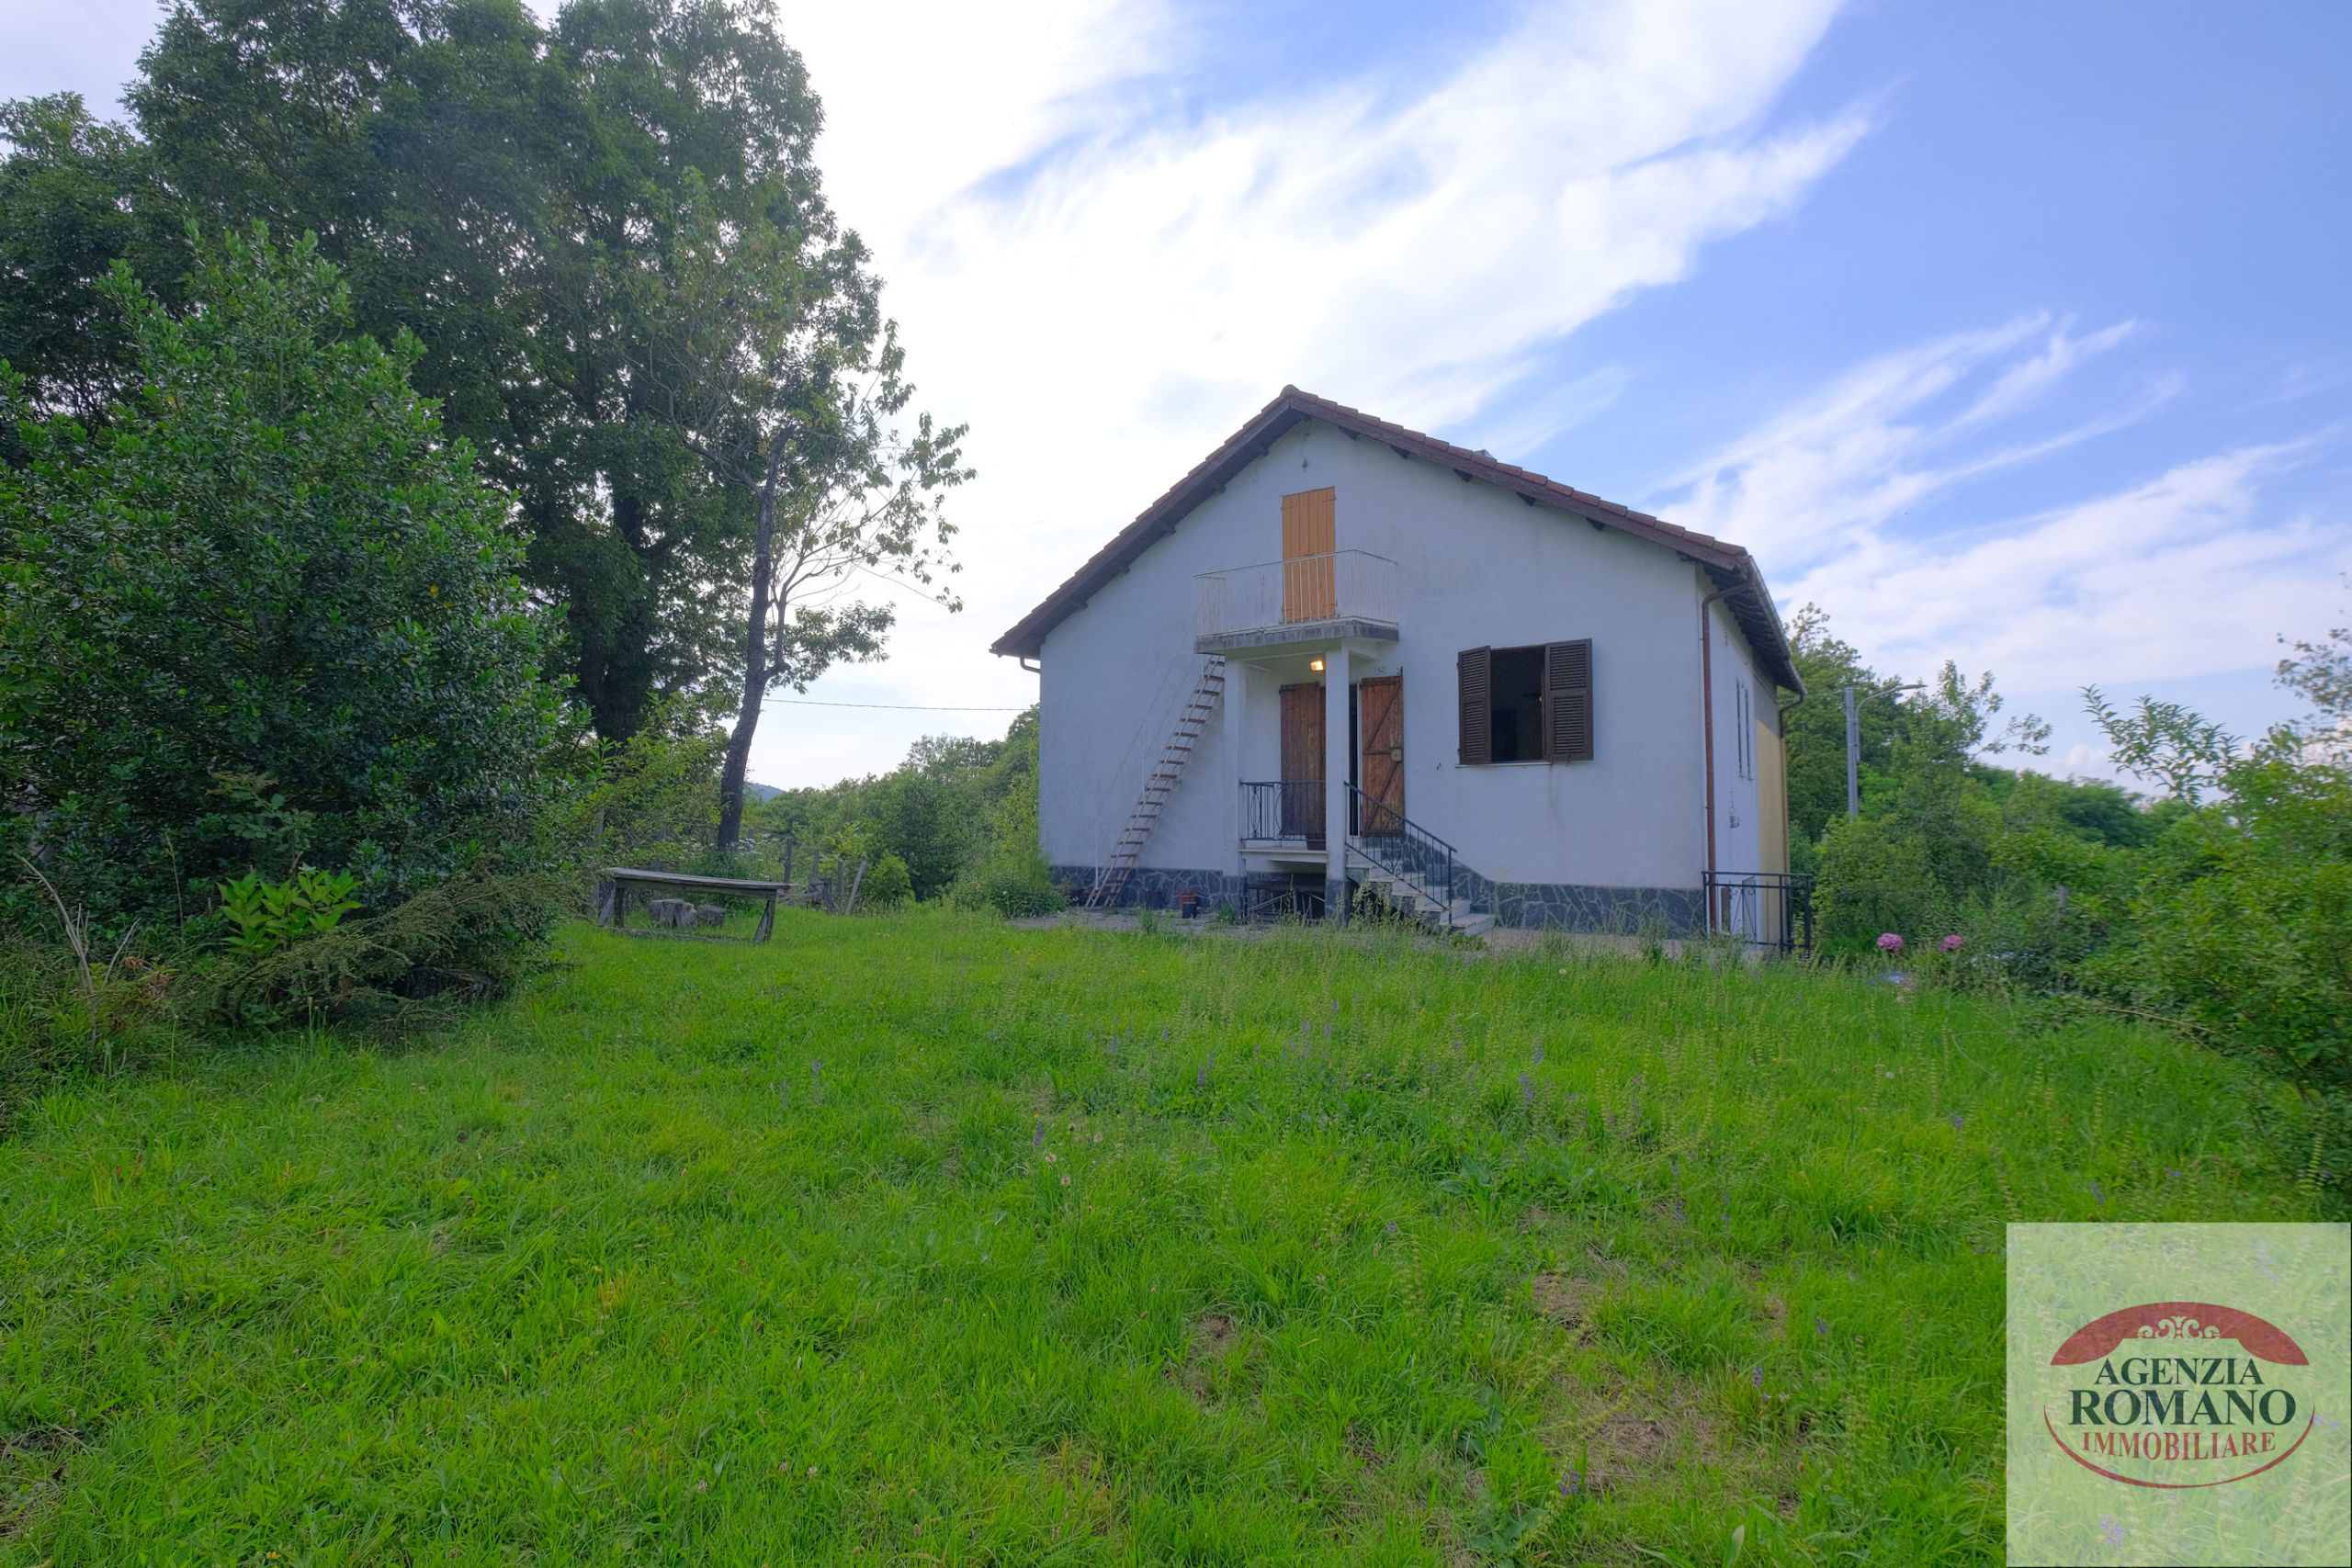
2187, 575
1106, 278
1809, 484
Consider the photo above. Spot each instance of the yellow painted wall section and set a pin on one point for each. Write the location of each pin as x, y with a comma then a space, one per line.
1771, 798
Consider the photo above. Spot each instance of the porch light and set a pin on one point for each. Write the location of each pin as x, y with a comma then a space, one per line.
1315, 665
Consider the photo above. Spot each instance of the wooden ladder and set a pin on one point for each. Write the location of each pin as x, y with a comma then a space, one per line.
1198, 710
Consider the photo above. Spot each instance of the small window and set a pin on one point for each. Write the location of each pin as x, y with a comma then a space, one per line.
1515, 720
1527, 705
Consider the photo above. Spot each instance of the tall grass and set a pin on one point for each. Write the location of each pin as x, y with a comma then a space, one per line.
924, 1239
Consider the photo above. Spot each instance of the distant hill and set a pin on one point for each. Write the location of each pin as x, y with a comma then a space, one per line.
761, 791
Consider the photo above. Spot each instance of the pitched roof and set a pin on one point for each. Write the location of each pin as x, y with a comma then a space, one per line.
1732, 570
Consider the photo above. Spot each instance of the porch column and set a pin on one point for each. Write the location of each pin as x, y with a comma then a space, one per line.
1335, 783
1237, 750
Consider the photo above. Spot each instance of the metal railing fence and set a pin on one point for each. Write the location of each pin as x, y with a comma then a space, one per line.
1765, 909
1343, 585
1285, 811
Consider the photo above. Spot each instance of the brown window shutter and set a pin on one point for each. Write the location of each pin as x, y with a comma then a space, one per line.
1473, 677
1310, 534
1567, 701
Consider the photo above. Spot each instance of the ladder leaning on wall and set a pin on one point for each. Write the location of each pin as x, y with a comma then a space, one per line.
1208, 693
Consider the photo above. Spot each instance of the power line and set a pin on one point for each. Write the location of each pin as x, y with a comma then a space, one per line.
900, 707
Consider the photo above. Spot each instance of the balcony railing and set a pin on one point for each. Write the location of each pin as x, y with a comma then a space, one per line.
1347, 594
1287, 813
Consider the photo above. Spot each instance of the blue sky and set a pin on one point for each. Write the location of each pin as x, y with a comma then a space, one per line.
2013, 334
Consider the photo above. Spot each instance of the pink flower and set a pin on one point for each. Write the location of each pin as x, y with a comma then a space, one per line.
1890, 942
1954, 943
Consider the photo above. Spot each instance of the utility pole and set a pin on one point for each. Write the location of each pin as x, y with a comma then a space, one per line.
1854, 738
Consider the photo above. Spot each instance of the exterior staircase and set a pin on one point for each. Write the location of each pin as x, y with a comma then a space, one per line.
1409, 893
1208, 694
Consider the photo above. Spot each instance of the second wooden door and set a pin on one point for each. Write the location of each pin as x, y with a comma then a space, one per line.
1381, 723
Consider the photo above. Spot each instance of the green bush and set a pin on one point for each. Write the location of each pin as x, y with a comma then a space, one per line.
1875, 878
887, 884
463, 939
2243, 924
265, 916
263, 616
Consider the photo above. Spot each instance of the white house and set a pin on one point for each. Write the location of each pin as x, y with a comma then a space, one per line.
1527, 706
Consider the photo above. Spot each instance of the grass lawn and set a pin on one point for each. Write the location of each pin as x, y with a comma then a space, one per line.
919, 1239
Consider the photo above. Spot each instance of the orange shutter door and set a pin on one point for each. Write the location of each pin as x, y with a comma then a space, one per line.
1309, 536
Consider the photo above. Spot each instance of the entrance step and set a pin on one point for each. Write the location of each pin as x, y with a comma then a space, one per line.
1409, 893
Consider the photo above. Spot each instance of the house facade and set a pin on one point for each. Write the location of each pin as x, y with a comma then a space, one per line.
1342, 654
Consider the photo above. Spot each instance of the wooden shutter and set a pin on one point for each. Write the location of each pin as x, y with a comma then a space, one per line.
1302, 748
1310, 534
1567, 701
1381, 770
1474, 681
1301, 732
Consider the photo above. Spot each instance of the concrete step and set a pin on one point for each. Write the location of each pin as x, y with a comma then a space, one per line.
1408, 891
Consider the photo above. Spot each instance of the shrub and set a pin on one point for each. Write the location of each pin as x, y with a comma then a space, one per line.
2243, 924
1875, 878
265, 916
466, 938
1013, 878
887, 884
265, 615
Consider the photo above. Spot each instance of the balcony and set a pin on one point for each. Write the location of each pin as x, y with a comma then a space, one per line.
1309, 598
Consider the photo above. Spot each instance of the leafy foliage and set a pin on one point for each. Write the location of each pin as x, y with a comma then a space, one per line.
2321, 673
2165, 743
75, 197
2242, 923
607, 237
960, 813
265, 916
266, 615
468, 937
2223, 904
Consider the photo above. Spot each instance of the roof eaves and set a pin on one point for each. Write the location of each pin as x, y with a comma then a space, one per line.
1752, 601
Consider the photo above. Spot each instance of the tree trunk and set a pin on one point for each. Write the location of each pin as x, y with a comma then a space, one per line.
755, 662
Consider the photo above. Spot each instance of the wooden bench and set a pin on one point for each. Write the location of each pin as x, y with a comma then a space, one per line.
612, 897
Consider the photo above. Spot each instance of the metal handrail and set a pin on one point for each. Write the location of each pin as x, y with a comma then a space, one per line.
1764, 908
1405, 849
1387, 810
1282, 811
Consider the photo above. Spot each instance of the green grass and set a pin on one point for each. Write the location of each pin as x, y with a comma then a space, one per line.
718, 1253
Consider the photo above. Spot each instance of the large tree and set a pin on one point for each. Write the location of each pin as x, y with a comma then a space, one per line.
76, 196
541, 207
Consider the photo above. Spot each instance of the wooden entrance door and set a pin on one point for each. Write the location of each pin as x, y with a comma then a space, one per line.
1310, 591
1302, 750
1379, 707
